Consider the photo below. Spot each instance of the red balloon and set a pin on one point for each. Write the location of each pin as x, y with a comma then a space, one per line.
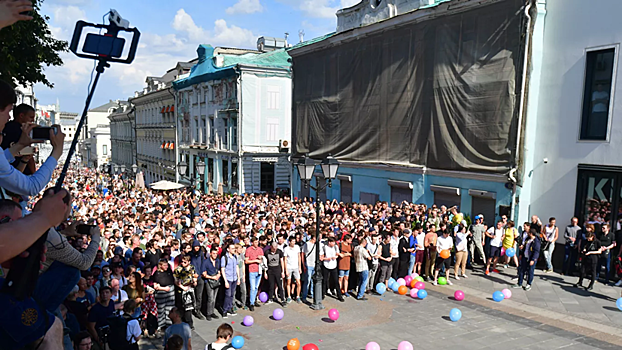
310, 347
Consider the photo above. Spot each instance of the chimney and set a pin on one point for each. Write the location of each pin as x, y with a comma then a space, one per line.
301, 35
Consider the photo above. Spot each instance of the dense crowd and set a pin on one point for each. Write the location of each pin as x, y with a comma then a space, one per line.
164, 258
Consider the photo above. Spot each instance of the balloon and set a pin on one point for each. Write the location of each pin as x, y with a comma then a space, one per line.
419, 278
391, 281
459, 295
395, 287
455, 315
407, 279
619, 303
420, 285
293, 344
248, 321
333, 314
237, 342
413, 292
507, 294
310, 347
405, 346
498, 296
502, 251
412, 283
445, 254
402, 290
390, 285
263, 297
381, 288
372, 345
422, 294
414, 275
278, 314
510, 252
442, 281
401, 281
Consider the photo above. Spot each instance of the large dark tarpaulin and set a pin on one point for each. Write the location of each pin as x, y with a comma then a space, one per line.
441, 93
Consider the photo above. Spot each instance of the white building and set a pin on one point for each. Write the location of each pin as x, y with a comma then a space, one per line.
234, 115
572, 137
25, 94
93, 152
155, 125
123, 137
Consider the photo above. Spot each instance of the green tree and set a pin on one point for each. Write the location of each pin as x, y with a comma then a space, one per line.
27, 47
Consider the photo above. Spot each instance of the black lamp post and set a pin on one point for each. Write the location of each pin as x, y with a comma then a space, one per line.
134, 168
306, 168
182, 167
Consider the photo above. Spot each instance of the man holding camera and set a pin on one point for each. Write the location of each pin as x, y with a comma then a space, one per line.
22, 115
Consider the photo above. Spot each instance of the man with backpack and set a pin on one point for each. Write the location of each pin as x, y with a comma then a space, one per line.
125, 330
231, 275
223, 335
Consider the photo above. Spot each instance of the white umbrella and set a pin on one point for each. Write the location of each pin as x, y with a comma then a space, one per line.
165, 185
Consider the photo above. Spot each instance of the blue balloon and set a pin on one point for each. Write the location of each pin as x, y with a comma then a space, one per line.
391, 281
395, 287
422, 294
510, 252
455, 315
619, 303
498, 296
381, 288
237, 342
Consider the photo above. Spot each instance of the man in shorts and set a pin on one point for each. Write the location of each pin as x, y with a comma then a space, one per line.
496, 241
444, 242
293, 269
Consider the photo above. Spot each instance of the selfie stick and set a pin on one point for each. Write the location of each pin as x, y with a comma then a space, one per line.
22, 278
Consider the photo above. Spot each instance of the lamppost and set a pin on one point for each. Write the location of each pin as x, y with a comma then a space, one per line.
134, 168
182, 167
306, 168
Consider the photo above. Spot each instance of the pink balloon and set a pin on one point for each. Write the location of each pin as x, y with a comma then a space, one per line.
459, 295
408, 279
507, 293
372, 345
413, 292
420, 285
333, 314
502, 251
401, 282
414, 275
405, 346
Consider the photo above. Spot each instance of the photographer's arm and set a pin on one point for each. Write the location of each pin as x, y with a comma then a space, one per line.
49, 212
68, 255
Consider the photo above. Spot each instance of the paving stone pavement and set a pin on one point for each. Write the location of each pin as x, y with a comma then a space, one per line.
553, 315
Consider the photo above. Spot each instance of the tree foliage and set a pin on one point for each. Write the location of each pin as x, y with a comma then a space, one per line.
27, 47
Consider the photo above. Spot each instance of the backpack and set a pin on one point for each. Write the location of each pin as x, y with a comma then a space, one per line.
227, 347
117, 339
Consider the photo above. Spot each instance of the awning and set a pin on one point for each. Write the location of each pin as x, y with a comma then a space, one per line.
163, 109
171, 145
163, 143
347, 178
483, 194
445, 189
400, 184
168, 109
173, 108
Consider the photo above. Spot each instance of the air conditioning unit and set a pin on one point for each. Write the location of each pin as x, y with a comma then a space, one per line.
283, 145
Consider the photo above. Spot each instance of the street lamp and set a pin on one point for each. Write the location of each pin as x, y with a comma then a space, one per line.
116, 169
306, 168
182, 167
134, 168
123, 168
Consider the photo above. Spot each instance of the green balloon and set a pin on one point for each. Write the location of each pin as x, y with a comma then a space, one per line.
442, 281
419, 279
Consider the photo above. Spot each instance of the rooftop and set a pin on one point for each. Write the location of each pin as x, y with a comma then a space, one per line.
111, 104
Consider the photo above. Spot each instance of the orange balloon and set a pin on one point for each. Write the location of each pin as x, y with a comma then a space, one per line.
293, 344
402, 290
445, 254
412, 283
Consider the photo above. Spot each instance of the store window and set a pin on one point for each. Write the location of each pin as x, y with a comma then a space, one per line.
598, 90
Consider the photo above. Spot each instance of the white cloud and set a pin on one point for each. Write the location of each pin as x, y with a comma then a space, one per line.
349, 3
221, 34
183, 22
66, 16
245, 7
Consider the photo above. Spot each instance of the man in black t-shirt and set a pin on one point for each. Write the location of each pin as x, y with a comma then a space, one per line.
98, 316
385, 260
589, 250
276, 272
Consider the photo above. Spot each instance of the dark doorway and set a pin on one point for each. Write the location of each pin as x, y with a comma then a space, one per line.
266, 177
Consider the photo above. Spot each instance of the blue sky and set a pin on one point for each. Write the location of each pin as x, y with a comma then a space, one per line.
171, 31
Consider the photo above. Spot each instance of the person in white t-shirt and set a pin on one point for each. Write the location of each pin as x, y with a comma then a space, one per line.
328, 255
119, 296
496, 241
419, 248
133, 327
293, 269
444, 242
461, 251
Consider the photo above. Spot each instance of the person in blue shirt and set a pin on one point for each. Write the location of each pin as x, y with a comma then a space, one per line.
210, 272
231, 275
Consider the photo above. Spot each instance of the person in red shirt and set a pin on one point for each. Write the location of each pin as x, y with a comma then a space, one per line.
253, 257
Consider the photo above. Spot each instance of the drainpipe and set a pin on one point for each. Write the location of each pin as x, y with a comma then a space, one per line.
239, 135
521, 107
176, 127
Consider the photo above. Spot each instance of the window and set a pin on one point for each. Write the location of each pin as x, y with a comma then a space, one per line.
195, 135
272, 130
212, 133
105, 150
225, 172
234, 174
274, 97
226, 136
203, 131
599, 68
234, 131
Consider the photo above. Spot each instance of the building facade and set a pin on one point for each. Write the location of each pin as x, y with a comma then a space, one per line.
156, 141
422, 106
234, 115
573, 166
94, 152
122, 137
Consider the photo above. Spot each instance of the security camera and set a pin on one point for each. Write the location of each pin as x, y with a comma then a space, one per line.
116, 18
545, 160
